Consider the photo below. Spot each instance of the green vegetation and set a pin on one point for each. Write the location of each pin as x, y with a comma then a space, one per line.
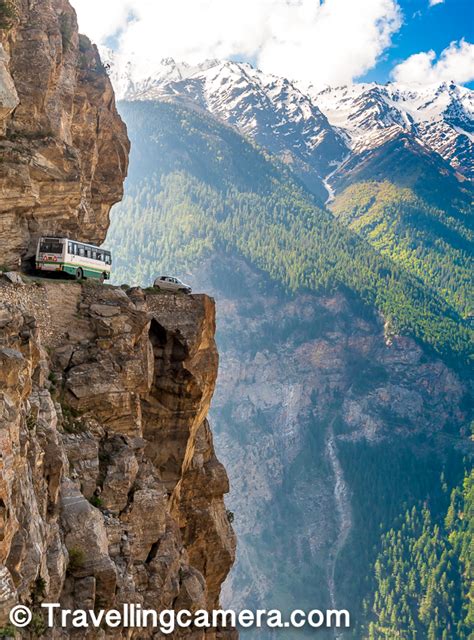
38, 624
387, 481
433, 245
72, 421
76, 559
424, 574
7, 14
197, 187
39, 590
96, 501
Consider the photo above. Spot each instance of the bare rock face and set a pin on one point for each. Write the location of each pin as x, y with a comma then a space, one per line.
8, 95
110, 490
63, 147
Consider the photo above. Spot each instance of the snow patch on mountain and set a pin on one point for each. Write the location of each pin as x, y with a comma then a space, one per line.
310, 129
271, 110
441, 117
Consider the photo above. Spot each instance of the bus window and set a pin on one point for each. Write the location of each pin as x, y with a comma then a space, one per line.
70, 247
51, 246
82, 252
94, 255
99, 256
108, 259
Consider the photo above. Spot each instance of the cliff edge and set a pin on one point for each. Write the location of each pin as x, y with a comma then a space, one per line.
110, 490
63, 146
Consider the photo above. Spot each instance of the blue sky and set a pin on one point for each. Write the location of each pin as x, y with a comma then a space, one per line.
319, 42
424, 28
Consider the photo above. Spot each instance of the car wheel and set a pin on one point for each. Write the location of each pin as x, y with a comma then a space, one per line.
79, 274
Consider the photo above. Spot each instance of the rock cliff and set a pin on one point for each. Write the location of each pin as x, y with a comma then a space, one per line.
63, 147
110, 490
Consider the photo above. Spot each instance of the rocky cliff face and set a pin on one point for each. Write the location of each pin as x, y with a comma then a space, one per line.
110, 491
63, 147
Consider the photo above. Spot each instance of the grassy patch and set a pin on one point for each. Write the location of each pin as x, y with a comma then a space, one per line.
76, 559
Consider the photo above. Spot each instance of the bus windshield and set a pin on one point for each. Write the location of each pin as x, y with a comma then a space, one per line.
49, 245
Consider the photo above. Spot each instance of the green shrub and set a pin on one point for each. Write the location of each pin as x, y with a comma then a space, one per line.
37, 625
96, 502
7, 14
39, 590
76, 559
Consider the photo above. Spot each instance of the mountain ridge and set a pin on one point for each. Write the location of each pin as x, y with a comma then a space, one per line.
313, 129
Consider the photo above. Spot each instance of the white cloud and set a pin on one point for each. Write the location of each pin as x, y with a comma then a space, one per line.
455, 63
435, 2
324, 42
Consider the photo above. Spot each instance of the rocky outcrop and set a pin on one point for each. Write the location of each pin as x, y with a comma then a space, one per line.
110, 490
63, 147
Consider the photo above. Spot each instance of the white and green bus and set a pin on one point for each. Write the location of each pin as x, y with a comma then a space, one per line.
75, 258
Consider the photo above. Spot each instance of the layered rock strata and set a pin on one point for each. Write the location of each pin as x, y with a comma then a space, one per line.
110, 490
63, 147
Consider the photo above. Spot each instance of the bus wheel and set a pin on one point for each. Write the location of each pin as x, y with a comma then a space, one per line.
102, 278
79, 274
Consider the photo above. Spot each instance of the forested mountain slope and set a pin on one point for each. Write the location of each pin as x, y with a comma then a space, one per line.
432, 244
216, 190
332, 426
425, 575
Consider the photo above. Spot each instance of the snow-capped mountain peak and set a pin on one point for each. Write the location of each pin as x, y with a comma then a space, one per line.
441, 117
311, 129
270, 109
